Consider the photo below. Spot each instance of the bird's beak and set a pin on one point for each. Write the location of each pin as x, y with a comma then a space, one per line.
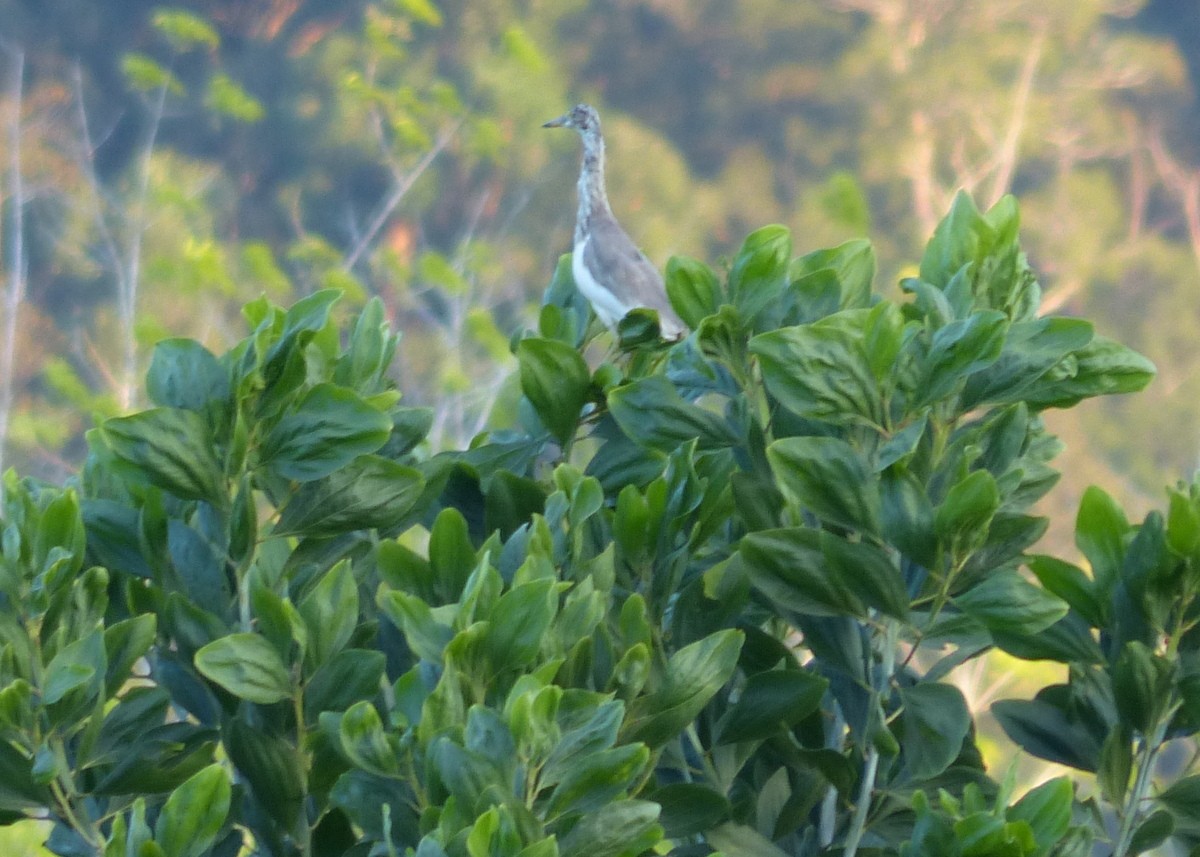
560, 122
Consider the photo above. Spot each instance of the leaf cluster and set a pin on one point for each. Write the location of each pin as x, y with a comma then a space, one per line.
703, 597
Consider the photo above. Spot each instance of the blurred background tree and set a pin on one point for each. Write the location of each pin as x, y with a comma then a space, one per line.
175, 161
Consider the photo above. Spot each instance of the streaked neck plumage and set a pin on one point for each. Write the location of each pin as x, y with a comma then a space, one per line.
593, 199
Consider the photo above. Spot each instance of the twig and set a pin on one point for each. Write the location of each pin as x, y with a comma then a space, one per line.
14, 293
401, 188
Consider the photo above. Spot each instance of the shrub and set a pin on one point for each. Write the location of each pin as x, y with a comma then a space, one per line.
701, 598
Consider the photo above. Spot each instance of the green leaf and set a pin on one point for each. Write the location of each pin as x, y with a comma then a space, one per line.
329, 427
625, 828
1116, 766
124, 643
934, 723
690, 808
60, 527
1069, 583
185, 30
80, 664
370, 492
1047, 809
184, 374
426, 636
518, 623
227, 97
651, 412
853, 264
364, 741
693, 290
555, 379
247, 666
1044, 730
194, 814
760, 272
789, 568
820, 371
272, 766
691, 678
149, 756
959, 349
1152, 832
738, 840
1067, 641
1100, 532
348, 677
1141, 683
828, 477
1182, 798
770, 702
867, 571
1031, 350
955, 241
1007, 602
1183, 523
451, 554
595, 780
146, 75
18, 791
1101, 368
968, 508
330, 612
173, 448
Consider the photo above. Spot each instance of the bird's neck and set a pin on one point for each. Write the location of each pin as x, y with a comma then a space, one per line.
593, 199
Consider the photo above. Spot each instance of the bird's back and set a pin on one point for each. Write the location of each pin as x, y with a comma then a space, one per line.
615, 264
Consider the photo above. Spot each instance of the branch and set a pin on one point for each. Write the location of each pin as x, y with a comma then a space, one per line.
399, 190
14, 293
1008, 154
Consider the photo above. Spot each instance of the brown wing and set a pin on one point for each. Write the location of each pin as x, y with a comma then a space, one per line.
620, 266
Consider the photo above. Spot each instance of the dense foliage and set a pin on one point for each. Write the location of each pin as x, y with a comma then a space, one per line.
704, 597
161, 164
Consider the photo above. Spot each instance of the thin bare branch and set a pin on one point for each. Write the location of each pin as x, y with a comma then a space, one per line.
14, 292
1009, 150
403, 184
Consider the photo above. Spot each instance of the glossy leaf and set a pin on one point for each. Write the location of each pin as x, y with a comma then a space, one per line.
555, 379
958, 349
330, 612
828, 477
770, 702
624, 828
788, 567
693, 675
934, 723
247, 666
185, 374
173, 448
1008, 603
760, 272
328, 428
194, 813
820, 371
652, 413
693, 289
370, 492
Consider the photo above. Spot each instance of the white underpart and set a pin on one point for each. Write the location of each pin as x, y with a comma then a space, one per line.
607, 307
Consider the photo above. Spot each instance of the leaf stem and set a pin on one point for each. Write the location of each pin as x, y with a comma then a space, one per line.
887, 665
1147, 752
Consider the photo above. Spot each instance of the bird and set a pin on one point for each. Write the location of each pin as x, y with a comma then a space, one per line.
610, 271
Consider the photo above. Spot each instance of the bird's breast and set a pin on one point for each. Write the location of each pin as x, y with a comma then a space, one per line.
600, 295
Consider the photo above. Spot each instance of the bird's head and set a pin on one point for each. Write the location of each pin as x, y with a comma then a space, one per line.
582, 117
